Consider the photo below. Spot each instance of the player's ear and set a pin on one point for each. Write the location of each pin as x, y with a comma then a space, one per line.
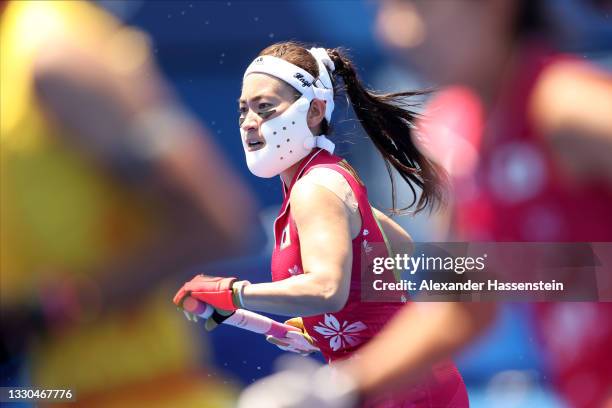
316, 114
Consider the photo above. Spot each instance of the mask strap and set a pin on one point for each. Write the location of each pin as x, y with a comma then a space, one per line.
312, 88
323, 87
295, 76
324, 143
320, 141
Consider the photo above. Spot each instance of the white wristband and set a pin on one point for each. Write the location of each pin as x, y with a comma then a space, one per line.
239, 290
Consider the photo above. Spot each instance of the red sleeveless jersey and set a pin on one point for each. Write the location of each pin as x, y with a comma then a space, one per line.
339, 334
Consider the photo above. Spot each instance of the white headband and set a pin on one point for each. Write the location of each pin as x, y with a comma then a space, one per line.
300, 79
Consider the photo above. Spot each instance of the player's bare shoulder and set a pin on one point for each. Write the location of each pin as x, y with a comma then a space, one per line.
309, 198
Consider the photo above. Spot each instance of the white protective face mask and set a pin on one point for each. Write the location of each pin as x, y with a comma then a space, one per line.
288, 140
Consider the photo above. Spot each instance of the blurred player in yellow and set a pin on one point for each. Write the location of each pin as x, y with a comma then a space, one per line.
107, 188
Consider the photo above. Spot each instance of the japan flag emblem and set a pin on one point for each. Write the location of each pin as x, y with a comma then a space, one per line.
285, 238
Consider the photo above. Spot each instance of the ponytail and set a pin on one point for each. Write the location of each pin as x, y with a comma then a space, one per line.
390, 125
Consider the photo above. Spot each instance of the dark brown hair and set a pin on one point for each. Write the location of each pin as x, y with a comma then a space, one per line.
385, 118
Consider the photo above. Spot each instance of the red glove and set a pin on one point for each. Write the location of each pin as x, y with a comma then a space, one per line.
215, 291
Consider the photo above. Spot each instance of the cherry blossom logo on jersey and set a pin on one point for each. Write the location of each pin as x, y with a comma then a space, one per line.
340, 336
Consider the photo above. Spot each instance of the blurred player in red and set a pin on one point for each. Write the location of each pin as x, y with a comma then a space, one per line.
543, 169
526, 134
326, 231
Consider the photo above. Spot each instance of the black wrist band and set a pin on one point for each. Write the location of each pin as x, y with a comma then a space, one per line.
218, 317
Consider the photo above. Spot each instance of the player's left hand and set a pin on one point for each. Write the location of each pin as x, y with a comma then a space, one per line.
303, 383
216, 291
294, 341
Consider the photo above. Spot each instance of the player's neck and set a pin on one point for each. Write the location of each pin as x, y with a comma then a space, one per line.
288, 174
